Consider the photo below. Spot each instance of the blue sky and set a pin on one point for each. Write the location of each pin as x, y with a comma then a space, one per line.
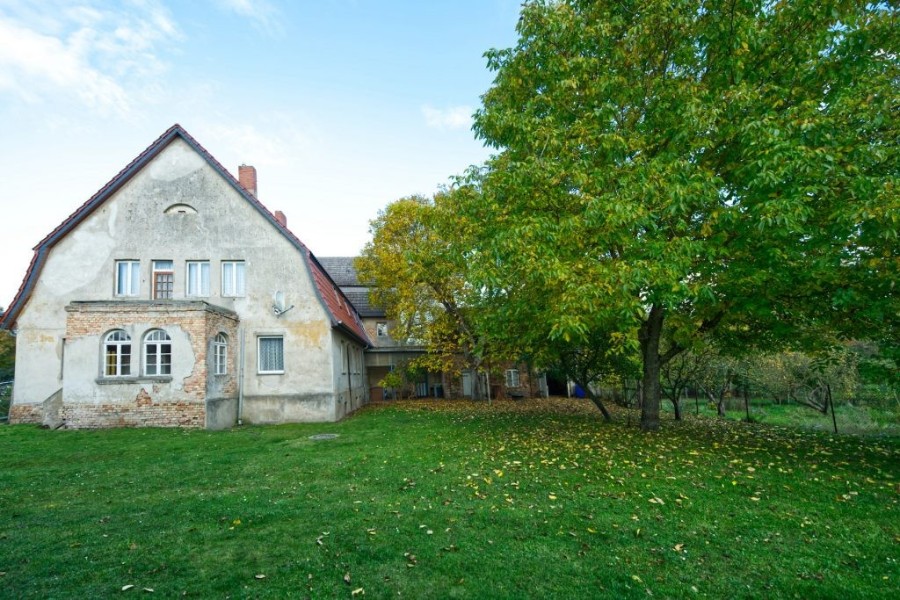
341, 105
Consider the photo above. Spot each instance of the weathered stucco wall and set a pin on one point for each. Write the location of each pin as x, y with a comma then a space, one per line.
349, 375
133, 224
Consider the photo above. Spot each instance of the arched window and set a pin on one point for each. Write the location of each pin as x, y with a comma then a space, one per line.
157, 353
220, 354
117, 354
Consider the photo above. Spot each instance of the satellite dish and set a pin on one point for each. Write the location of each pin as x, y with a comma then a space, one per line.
278, 304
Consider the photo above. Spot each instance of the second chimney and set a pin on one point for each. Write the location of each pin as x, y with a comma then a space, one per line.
247, 178
279, 216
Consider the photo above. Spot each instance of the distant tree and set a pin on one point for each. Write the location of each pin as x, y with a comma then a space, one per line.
592, 362
682, 372
717, 376
810, 380
692, 166
417, 262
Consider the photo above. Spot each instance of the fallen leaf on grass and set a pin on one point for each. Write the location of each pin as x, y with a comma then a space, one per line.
347, 578
125, 588
358, 591
260, 576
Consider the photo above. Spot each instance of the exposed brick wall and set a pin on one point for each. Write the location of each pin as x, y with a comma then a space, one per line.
199, 320
143, 412
221, 386
26, 413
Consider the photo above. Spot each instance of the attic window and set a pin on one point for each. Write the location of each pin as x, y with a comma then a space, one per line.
181, 209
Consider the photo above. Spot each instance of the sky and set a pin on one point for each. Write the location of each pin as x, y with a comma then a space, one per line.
341, 105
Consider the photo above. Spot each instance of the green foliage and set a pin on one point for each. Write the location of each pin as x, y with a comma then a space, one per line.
527, 499
699, 167
7, 355
418, 262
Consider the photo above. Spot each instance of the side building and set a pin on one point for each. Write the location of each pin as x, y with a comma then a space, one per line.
385, 353
173, 297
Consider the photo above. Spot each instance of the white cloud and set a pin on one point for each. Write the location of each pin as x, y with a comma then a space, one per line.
94, 55
455, 117
261, 13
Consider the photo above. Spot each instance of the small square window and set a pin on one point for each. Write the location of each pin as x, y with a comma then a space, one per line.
512, 378
270, 354
381, 329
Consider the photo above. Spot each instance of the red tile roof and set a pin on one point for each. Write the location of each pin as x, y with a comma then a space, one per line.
343, 315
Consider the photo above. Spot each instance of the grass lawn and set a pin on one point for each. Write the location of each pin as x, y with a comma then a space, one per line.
446, 499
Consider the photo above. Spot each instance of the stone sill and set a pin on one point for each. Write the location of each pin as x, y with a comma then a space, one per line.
129, 380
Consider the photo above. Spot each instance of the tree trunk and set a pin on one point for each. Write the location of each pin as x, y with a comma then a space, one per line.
599, 404
649, 335
676, 403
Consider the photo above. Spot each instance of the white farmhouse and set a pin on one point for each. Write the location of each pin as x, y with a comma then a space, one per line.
173, 297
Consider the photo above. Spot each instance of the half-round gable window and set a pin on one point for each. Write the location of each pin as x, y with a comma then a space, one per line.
181, 209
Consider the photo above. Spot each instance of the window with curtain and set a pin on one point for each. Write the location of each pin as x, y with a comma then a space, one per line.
233, 278
198, 278
512, 378
271, 354
128, 277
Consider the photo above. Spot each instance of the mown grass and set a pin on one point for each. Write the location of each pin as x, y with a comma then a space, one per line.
451, 499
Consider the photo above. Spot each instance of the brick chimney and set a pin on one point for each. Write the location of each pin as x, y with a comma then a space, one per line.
247, 178
281, 218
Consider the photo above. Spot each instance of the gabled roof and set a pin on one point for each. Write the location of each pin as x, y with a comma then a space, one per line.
343, 271
342, 314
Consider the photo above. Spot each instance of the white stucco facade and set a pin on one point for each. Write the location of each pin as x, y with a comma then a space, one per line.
176, 208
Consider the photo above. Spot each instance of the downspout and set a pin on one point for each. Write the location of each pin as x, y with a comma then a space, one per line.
240, 411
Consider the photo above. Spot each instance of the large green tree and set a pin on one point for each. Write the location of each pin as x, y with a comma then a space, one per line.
699, 166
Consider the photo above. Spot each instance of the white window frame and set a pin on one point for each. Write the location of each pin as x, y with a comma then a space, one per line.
259, 356
196, 274
131, 286
220, 354
121, 346
512, 378
381, 329
155, 342
233, 285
